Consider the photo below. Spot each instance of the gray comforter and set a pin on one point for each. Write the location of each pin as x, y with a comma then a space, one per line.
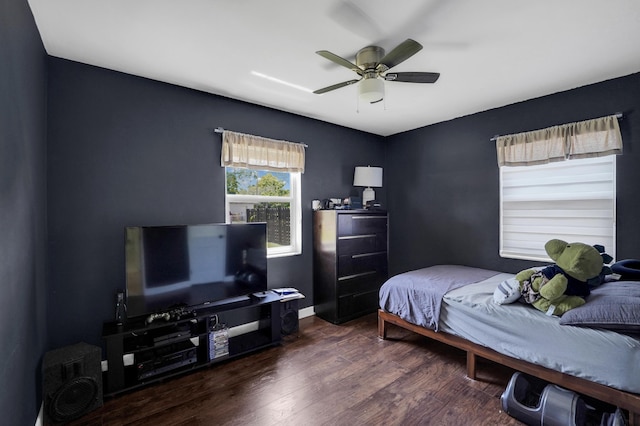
416, 296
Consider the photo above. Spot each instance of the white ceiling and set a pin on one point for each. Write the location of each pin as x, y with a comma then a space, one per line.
489, 53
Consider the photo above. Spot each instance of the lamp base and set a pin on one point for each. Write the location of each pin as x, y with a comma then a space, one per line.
368, 194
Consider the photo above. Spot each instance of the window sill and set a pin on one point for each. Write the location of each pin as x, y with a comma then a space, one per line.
283, 254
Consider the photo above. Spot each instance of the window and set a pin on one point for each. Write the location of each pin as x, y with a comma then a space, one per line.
558, 182
571, 200
262, 178
254, 195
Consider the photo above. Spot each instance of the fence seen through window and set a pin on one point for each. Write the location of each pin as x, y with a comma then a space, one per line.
261, 196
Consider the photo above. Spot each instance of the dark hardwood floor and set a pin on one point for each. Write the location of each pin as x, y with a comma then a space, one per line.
326, 375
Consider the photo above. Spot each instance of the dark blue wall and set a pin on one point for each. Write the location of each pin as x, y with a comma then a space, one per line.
23, 209
444, 199
124, 150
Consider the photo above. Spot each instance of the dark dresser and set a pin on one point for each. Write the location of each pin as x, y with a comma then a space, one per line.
349, 262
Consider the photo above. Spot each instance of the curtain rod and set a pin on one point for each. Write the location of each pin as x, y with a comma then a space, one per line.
221, 130
618, 115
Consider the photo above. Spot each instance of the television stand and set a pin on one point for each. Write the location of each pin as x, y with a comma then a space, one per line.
139, 353
227, 302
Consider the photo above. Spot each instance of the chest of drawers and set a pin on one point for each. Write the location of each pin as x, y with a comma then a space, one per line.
350, 262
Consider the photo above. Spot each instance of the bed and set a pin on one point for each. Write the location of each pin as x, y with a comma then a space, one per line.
454, 304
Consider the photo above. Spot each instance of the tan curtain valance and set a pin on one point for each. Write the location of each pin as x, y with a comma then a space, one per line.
584, 139
255, 152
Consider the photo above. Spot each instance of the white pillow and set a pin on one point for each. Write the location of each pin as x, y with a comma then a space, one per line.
508, 291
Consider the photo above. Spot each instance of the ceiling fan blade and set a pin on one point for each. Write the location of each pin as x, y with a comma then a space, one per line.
354, 19
340, 61
399, 54
334, 87
412, 77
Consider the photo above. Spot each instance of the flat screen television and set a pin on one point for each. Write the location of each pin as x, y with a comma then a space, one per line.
193, 266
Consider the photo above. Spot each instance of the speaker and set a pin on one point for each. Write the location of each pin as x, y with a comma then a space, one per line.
72, 382
289, 317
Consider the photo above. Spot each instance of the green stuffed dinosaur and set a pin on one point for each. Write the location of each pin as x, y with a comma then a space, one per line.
560, 287
563, 286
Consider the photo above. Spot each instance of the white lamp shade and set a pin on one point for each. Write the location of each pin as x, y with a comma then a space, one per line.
367, 176
371, 90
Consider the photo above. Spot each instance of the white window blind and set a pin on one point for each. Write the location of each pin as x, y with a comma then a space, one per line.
570, 200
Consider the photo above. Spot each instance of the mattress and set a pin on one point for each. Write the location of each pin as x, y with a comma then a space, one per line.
525, 333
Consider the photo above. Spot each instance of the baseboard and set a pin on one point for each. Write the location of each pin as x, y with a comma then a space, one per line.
306, 312
244, 328
253, 326
39, 420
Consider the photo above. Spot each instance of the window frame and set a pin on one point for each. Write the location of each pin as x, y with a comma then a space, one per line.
295, 211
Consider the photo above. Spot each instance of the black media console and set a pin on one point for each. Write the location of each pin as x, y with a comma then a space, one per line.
139, 353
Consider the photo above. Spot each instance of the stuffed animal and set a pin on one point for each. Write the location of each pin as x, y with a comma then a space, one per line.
562, 286
628, 269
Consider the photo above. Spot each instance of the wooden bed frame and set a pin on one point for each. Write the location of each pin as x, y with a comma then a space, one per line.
625, 400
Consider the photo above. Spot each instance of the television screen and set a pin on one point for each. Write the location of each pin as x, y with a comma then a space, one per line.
190, 266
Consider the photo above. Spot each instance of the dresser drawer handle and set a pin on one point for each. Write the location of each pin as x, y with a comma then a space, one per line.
355, 256
362, 274
351, 237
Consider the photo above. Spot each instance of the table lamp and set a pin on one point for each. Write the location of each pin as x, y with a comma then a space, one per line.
368, 177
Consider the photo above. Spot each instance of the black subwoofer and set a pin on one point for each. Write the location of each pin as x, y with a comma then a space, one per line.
72, 382
289, 317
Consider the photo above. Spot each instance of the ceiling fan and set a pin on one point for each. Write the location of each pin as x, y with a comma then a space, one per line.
372, 65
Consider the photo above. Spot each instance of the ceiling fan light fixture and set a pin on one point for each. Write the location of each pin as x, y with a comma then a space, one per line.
371, 90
